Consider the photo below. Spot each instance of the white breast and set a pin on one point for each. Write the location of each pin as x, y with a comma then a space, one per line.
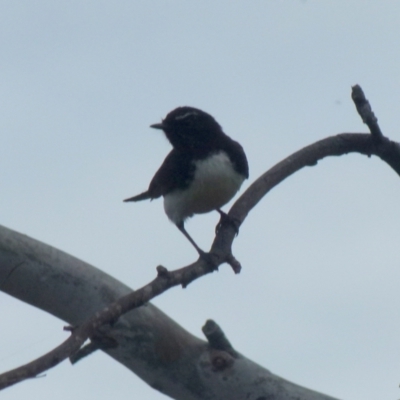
215, 183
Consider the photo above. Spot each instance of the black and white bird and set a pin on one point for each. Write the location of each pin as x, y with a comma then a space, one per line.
202, 172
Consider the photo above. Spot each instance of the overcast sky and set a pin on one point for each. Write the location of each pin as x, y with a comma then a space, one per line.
318, 299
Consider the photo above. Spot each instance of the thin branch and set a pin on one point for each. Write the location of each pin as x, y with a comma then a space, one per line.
337, 145
110, 314
365, 111
101, 341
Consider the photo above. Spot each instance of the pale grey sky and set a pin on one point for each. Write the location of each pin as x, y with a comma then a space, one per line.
317, 301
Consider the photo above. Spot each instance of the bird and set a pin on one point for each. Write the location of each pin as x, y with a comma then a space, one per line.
203, 171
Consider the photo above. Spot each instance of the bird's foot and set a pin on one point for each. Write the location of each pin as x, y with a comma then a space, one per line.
227, 219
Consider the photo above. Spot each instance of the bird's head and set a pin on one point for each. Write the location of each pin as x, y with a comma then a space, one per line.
188, 128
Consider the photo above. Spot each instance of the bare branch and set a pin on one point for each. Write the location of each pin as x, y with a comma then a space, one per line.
150, 344
365, 111
338, 145
109, 315
367, 144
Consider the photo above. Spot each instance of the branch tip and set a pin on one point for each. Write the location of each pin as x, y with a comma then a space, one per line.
364, 109
235, 264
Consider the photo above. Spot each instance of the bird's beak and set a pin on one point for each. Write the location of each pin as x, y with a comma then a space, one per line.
157, 126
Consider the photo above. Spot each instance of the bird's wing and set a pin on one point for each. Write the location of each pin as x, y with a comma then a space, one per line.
174, 173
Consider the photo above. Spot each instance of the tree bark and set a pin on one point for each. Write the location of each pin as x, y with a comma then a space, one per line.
149, 343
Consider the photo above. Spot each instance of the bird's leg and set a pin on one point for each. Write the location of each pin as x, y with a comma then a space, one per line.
181, 227
225, 218
207, 257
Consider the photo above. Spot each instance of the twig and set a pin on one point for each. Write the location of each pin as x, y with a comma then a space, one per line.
365, 111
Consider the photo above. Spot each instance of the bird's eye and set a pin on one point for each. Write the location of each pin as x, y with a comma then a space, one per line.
186, 115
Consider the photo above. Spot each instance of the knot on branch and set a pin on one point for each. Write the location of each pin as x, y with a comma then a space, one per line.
216, 338
162, 272
221, 360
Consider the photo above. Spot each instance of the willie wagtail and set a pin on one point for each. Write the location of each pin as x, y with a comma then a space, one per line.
202, 172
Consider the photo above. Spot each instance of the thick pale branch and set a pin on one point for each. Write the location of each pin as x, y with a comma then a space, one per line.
149, 343
109, 315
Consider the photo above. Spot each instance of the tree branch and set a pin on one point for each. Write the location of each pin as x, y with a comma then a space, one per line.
341, 144
150, 344
367, 144
365, 111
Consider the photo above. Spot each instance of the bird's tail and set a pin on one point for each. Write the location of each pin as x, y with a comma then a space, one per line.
141, 196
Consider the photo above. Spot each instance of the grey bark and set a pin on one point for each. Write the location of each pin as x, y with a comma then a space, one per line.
149, 343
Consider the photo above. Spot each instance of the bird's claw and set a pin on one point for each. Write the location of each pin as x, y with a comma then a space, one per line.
225, 218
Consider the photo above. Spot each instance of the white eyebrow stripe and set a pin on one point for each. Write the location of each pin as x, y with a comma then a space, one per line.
179, 117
